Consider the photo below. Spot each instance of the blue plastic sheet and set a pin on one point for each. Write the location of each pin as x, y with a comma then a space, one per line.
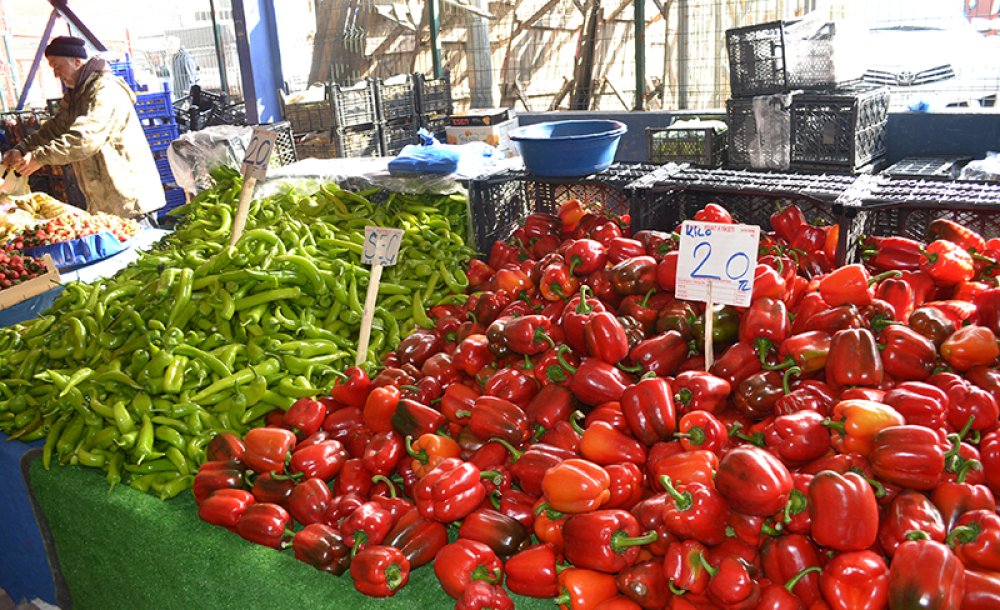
432, 157
80, 251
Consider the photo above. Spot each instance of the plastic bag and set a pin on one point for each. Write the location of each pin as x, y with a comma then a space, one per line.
80, 251
770, 148
432, 157
983, 169
194, 155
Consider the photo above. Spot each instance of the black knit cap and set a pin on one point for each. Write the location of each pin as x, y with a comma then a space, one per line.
66, 46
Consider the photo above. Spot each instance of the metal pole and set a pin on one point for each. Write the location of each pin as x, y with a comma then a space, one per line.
682, 55
640, 53
11, 62
38, 59
220, 56
435, 43
63, 7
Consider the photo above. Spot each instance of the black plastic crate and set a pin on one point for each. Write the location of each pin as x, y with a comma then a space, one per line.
434, 94
500, 202
362, 141
742, 134
397, 101
907, 208
354, 106
844, 130
764, 59
673, 194
398, 134
927, 168
309, 116
283, 152
436, 124
316, 145
702, 146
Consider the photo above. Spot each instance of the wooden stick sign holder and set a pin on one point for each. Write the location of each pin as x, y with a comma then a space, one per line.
381, 250
716, 264
255, 164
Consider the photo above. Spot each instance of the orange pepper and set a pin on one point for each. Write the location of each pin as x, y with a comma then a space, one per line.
970, 346
429, 450
856, 423
584, 589
576, 486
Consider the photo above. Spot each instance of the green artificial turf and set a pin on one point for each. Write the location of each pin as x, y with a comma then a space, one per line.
125, 549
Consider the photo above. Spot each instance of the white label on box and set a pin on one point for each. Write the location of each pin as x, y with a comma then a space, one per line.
724, 255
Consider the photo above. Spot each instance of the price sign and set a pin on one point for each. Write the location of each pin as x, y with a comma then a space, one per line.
381, 246
716, 262
259, 153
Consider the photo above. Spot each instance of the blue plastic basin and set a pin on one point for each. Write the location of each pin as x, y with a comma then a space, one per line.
568, 148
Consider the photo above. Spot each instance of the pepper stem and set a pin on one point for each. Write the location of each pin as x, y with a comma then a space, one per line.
785, 384
541, 335
883, 276
463, 413
835, 425
956, 444
393, 576
485, 574
695, 436
964, 469
917, 535
968, 426
964, 534
794, 581
683, 396
683, 500
637, 368
388, 483
645, 299
582, 307
797, 503
494, 476
494, 498
674, 589
564, 599
620, 540
712, 571
771, 530
757, 438
295, 476
562, 360
574, 418
511, 449
878, 487
360, 538
420, 456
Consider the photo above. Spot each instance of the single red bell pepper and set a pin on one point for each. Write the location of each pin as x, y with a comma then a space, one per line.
808, 351
583, 589
696, 511
626, 485
264, 523
961, 235
966, 401
352, 389
753, 481
854, 359
464, 561
648, 407
449, 492
645, 309
379, 408
413, 418
272, 488
925, 574
643, 584
982, 590
756, 396
512, 384
713, 212
322, 547
309, 501
623, 248
768, 282
551, 404
976, 540
605, 338
931, 323
585, 256
604, 540
578, 311
683, 467
970, 346
225, 507
380, 571
955, 498
906, 354
596, 382
765, 320
499, 418
731, 585
224, 446
576, 486
788, 221
947, 262
919, 403
797, 438
213, 476
661, 354
383, 453
420, 346
603, 444
793, 557
737, 363
354, 478
899, 294
304, 417
419, 539
481, 595
684, 567
636, 275
856, 422
368, 525
699, 391
857, 580
892, 253
909, 456
833, 319
908, 511
267, 448
702, 430
606, 231
832, 496
528, 334
809, 395
505, 535
532, 572
850, 284
557, 282
480, 274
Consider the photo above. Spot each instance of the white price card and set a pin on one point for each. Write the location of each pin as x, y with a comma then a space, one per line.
716, 262
258, 153
381, 246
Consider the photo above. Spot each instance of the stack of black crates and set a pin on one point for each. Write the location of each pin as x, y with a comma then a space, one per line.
397, 113
835, 125
156, 114
434, 103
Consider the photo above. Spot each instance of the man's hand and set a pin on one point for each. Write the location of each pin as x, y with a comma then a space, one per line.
12, 158
28, 164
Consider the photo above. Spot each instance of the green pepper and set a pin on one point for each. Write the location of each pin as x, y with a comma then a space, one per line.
115, 470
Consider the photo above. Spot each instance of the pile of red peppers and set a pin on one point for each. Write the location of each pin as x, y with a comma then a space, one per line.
559, 437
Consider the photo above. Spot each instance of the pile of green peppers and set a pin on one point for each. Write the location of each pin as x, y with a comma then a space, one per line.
137, 373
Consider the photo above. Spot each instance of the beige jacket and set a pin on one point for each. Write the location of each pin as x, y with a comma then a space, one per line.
97, 131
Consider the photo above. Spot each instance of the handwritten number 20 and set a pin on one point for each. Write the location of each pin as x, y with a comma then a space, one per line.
697, 270
696, 273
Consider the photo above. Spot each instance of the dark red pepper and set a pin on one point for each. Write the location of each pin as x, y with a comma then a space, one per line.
264, 524
380, 571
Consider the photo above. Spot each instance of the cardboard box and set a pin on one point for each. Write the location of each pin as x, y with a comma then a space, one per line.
33, 287
490, 125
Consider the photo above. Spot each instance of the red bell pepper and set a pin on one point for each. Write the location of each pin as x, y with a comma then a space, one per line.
683, 467
505, 535
379, 408
528, 334
808, 351
908, 511
910, 456
309, 501
925, 574
768, 283
624, 248
731, 585
225, 507
352, 389
512, 384
854, 359
304, 417
605, 338
891, 253
578, 311
713, 212
419, 539
753, 481
532, 572
267, 448
970, 346
264, 524
499, 418
604, 540
380, 571
907, 355
955, 498
834, 496
626, 485
585, 256
899, 294
856, 580
661, 354
931, 323
850, 284
481, 595
947, 262
596, 382
982, 590
797, 438
699, 391
943, 228
583, 589
644, 585
464, 561
808, 395
636, 275
213, 476
576, 486
757, 395
919, 403
413, 418
976, 540
354, 478
322, 547
557, 282
793, 557
383, 453
737, 363
272, 488
787, 222
223, 447
857, 421
604, 445
648, 407
696, 511
833, 319
684, 567
766, 320
449, 492
966, 401
702, 430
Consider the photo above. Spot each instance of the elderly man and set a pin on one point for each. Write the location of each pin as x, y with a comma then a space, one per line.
97, 131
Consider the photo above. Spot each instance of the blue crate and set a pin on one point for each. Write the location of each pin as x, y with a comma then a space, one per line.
175, 197
154, 105
123, 70
160, 136
163, 166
